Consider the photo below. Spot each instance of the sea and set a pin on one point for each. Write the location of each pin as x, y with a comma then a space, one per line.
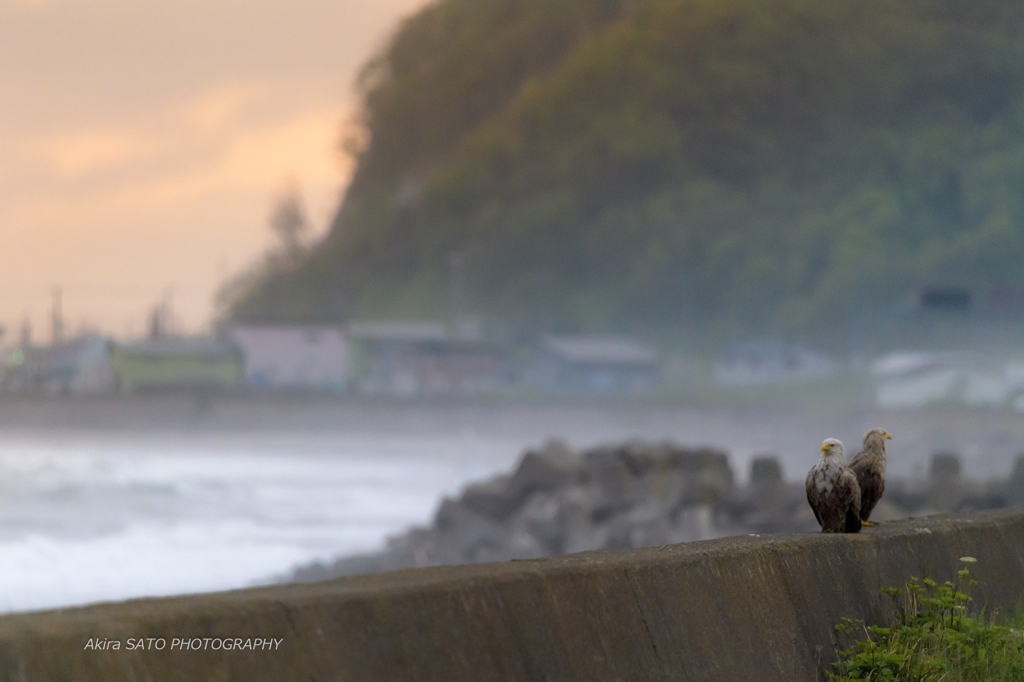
88, 517
97, 504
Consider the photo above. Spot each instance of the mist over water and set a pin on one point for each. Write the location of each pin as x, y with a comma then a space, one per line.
104, 513
87, 517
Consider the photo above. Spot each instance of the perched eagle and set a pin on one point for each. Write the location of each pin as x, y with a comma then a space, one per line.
833, 492
869, 467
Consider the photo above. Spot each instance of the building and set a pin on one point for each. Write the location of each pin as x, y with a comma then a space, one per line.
78, 366
595, 365
423, 358
767, 362
916, 379
176, 363
293, 356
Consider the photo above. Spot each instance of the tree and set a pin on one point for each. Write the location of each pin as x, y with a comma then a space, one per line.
289, 223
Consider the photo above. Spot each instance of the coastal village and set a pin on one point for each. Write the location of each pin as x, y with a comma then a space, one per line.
435, 358
367, 358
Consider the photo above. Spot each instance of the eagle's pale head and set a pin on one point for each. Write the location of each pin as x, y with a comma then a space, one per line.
832, 448
875, 439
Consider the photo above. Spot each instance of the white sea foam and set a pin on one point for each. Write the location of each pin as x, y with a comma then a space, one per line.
86, 518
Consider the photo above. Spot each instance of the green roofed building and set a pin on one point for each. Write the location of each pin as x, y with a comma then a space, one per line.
175, 363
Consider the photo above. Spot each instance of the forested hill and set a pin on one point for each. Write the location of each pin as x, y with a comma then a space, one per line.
642, 165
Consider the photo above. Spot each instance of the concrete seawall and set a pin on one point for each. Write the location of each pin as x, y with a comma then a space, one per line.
745, 608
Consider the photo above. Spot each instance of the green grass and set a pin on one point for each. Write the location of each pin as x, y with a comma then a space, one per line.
931, 638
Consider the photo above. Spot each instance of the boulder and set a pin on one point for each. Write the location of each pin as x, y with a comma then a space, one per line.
945, 488
695, 522
583, 536
908, 495
945, 466
765, 469
652, 533
661, 490
496, 498
886, 511
541, 518
691, 460
517, 545
776, 507
1014, 488
641, 458
614, 485
549, 468
460, 531
576, 522
707, 486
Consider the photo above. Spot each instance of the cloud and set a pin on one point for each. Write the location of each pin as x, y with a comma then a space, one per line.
143, 141
120, 215
225, 148
219, 108
72, 155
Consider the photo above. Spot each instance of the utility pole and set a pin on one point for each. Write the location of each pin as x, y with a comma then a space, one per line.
58, 318
26, 333
161, 317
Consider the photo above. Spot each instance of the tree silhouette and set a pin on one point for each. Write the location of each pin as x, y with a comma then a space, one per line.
289, 222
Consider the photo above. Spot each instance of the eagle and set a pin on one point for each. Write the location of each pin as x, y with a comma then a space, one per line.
833, 492
869, 467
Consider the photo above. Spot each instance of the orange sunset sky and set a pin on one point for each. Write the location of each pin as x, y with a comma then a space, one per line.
143, 143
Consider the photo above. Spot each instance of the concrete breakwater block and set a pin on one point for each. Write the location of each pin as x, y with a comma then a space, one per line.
741, 608
640, 494
560, 501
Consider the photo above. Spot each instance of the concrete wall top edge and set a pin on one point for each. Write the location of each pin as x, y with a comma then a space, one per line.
439, 577
751, 608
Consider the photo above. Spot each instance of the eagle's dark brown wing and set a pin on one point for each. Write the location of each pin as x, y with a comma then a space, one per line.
872, 483
850, 500
813, 497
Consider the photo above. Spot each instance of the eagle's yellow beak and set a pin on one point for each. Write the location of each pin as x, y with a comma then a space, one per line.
888, 436
825, 446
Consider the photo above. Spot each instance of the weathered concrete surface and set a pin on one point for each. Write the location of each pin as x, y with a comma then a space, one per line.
746, 608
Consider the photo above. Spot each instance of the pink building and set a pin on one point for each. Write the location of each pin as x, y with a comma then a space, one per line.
294, 356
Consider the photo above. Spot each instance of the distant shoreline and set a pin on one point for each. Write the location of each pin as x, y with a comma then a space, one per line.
988, 440
265, 410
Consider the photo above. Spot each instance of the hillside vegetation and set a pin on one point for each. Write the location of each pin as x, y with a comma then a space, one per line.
736, 166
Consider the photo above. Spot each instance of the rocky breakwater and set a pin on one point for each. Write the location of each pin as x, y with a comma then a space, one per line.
561, 501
